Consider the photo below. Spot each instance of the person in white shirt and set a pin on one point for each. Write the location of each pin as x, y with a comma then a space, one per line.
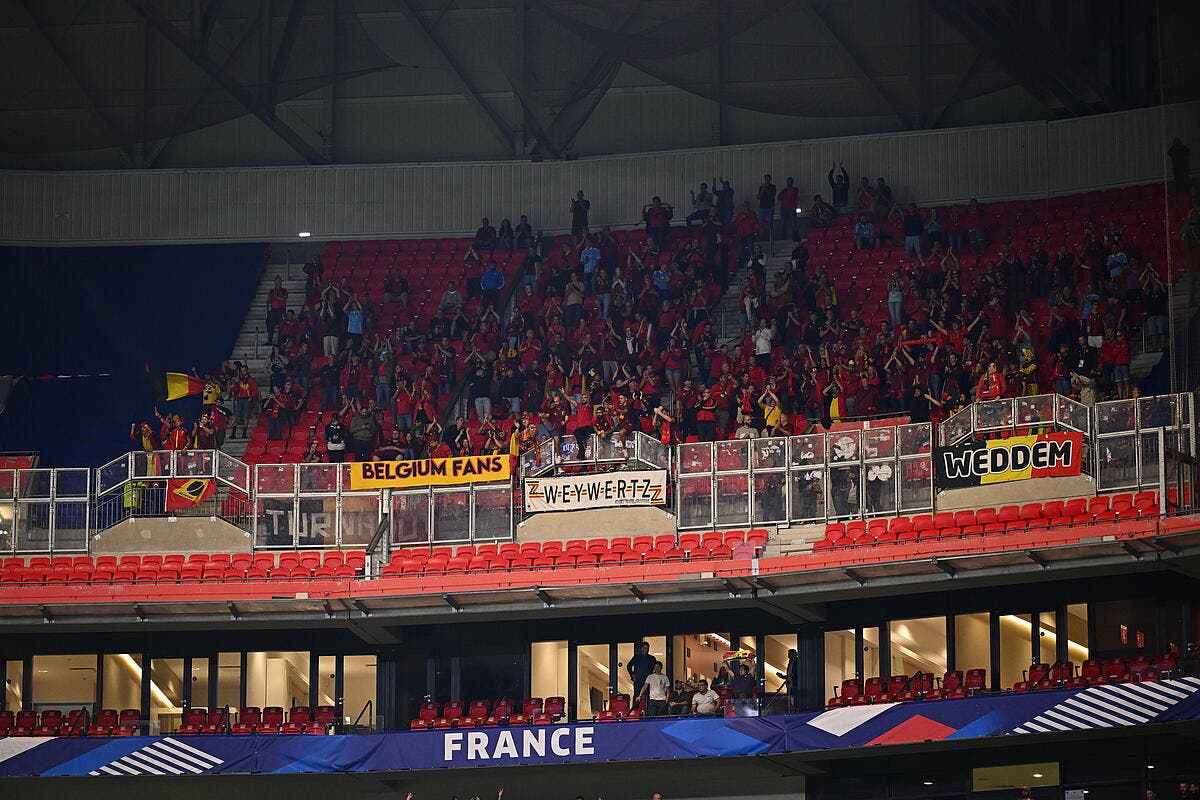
762, 344
656, 689
705, 701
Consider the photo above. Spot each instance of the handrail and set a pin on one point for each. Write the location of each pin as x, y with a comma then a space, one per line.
370, 704
384, 527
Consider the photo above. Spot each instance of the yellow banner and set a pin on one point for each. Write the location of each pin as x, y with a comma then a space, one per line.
365, 475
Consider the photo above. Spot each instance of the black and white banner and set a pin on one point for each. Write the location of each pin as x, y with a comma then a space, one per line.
606, 490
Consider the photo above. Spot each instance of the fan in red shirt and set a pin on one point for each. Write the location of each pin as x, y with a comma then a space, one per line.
991, 385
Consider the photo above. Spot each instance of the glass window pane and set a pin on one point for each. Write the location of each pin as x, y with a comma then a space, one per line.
1077, 632
769, 453
166, 695
14, 680
881, 488
548, 669
695, 458
122, 681
918, 645
775, 661
733, 455
318, 478
916, 486
593, 679
358, 683
972, 641
410, 517
7, 515
844, 490
360, 517
879, 443
229, 680
1015, 647
839, 658
275, 522
733, 499
695, 501
327, 681
64, 682
318, 519
492, 514
199, 679
870, 652
845, 446
451, 516
808, 494
1048, 638
277, 679
769, 502
624, 682
71, 525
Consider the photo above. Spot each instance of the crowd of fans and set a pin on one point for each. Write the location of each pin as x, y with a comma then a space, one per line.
881, 309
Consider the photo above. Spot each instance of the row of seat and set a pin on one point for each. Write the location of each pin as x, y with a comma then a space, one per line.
956, 684
953, 524
177, 567
110, 722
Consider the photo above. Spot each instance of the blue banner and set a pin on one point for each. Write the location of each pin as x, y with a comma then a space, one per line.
585, 742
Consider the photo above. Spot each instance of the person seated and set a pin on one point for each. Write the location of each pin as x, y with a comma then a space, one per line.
485, 236
705, 701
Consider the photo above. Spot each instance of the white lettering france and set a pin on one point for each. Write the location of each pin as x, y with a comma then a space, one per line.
504, 744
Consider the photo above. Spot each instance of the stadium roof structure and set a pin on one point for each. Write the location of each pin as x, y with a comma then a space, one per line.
119, 83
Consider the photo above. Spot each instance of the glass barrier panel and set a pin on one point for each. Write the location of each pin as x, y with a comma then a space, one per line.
770, 502
915, 439
807, 489
317, 525
845, 446
916, 484
33, 525
34, 484
733, 455
360, 518
993, 414
695, 458
1032, 410
70, 525
806, 451
957, 427
881, 487
768, 453
845, 491
152, 465
275, 479
114, 473
1160, 412
8, 484
72, 483
451, 515
733, 499
1148, 453
274, 522
1117, 462
1071, 414
1117, 416
652, 451
493, 513
8, 513
410, 517
318, 478
230, 470
695, 501
613, 447
879, 442
196, 463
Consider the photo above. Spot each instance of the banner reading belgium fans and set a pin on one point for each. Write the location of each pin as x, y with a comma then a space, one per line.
1018, 458
365, 475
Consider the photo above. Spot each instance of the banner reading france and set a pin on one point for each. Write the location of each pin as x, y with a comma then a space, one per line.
367, 475
1018, 458
607, 490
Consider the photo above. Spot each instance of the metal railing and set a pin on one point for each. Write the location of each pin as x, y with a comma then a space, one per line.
1146, 444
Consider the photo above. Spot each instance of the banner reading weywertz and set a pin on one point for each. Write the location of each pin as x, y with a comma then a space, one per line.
429, 472
607, 490
1018, 458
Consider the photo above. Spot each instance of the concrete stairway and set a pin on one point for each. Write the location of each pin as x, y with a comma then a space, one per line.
251, 347
727, 318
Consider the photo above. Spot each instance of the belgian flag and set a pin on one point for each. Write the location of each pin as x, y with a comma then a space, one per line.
174, 385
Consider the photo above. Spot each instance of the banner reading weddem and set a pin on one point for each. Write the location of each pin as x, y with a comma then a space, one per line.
606, 490
366, 475
1017, 458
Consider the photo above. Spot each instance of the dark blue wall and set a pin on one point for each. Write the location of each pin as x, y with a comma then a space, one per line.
112, 309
